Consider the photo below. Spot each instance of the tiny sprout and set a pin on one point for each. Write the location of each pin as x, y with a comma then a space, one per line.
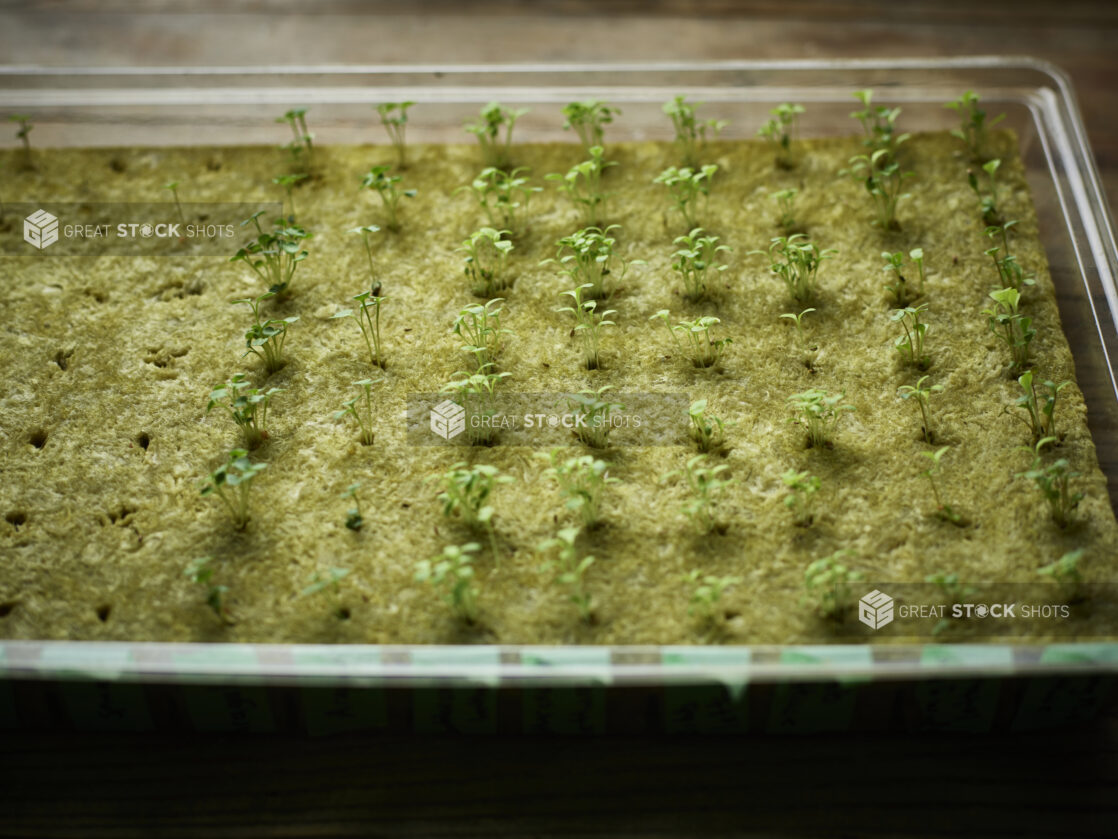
1066, 574
796, 261
1054, 482
232, 483
200, 571
808, 349
921, 394
453, 574
882, 177
288, 182
1010, 272
972, 130
588, 323
302, 143
786, 207
274, 255
365, 423
369, 324
592, 420
480, 327
1009, 326
827, 585
581, 482
706, 591
895, 263
697, 255
707, 430
588, 119
935, 468
588, 257
988, 198
818, 411
689, 189
781, 131
386, 186
878, 124
706, 485
1040, 413
487, 129
911, 344
248, 406
394, 118
173, 188
503, 196
802, 487
265, 338
476, 393
466, 494
486, 261
23, 133
364, 233
701, 348
690, 134
570, 569
332, 580
583, 184
353, 518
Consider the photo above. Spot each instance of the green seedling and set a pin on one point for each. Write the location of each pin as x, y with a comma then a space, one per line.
350, 408
935, 468
781, 132
582, 481
828, 584
796, 261
387, 187
818, 411
232, 483
703, 350
706, 591
503, 196
803, 342
583, 185
953, 590
920, 393
367, 318
1010, 272
266, 337
588, 119
466, 495
1054, 483
988, 197
689, 189
173, 188
802, 487
1009, 326
494, 117
973, 127
883, 179
332, 580
477, 393
1066, 574
707, 430
690, 133
23, 133
453, 575
302, 142
394, 118
353, 519
248, 406
480, 327
274, 255
588, 323
786, 208
706, 485
910, 344
570, 569
288, 183
878, 124
486, 261
200, 571
589, 257
695, 259
899, 288
1040, 412
592, 415
365, 232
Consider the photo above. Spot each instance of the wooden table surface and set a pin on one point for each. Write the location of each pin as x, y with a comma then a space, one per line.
1058, 784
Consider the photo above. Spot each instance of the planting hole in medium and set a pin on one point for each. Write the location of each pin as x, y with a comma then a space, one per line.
6, 608
143, 440
38, 438
103, 611
16, 518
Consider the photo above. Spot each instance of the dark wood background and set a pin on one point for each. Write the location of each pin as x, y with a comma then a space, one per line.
1056, 784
